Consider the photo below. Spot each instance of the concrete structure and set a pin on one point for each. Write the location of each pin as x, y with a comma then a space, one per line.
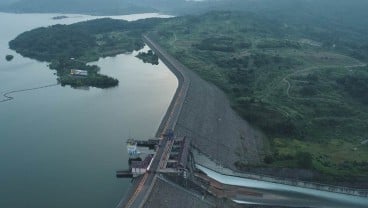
140, 167
176, 157
132, 149
143, 186
77, 72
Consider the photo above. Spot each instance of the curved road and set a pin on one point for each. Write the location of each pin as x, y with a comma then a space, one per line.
142, 190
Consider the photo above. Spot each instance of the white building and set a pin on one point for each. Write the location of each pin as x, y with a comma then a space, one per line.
77, 72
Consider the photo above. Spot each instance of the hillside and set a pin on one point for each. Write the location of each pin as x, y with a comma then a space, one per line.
307, 92
302, 84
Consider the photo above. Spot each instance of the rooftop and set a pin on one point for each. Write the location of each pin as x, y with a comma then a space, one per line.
142, 164
78, 72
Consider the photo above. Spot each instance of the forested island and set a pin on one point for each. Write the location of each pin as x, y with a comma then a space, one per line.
69, 47
148, 57
303, 86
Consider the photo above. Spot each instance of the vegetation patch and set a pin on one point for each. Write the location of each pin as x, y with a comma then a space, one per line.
278, 44
336, 158
309, 98
356, 84
298, 93
148, 57
69, 47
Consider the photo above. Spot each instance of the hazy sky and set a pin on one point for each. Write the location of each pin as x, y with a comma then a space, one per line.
342, 8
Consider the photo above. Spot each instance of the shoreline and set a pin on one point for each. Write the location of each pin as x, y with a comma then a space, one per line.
169, 120
182, 88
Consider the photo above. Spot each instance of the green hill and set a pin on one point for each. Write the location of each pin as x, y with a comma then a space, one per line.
306, 91
303, 82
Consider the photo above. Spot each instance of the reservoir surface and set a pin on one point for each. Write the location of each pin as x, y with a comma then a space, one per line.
59, 146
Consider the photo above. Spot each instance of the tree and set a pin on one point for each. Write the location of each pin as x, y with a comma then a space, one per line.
9, 57
304, 160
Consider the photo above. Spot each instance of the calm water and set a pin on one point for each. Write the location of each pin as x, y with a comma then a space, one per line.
60, 147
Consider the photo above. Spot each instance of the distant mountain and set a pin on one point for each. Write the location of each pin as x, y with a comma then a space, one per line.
352, 12
74, 6
109, 7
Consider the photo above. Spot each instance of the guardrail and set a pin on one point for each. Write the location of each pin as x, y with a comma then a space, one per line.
183, 83
285, 181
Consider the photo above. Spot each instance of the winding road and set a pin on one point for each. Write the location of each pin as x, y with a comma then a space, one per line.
285, 79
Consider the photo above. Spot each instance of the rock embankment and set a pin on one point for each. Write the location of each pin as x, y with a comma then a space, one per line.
208, 119
215, 128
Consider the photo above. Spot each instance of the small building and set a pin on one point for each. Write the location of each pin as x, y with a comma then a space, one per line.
132, 149
179, 155
140, 167
77, 72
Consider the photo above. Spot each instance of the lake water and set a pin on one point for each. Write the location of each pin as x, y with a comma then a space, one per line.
60, 147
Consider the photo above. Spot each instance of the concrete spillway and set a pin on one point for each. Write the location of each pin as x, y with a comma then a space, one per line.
286, 195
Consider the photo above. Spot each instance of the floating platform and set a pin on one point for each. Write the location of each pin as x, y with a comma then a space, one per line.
151, 143
134, 159
124, 174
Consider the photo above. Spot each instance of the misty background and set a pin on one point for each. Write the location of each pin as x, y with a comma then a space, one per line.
337, 13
